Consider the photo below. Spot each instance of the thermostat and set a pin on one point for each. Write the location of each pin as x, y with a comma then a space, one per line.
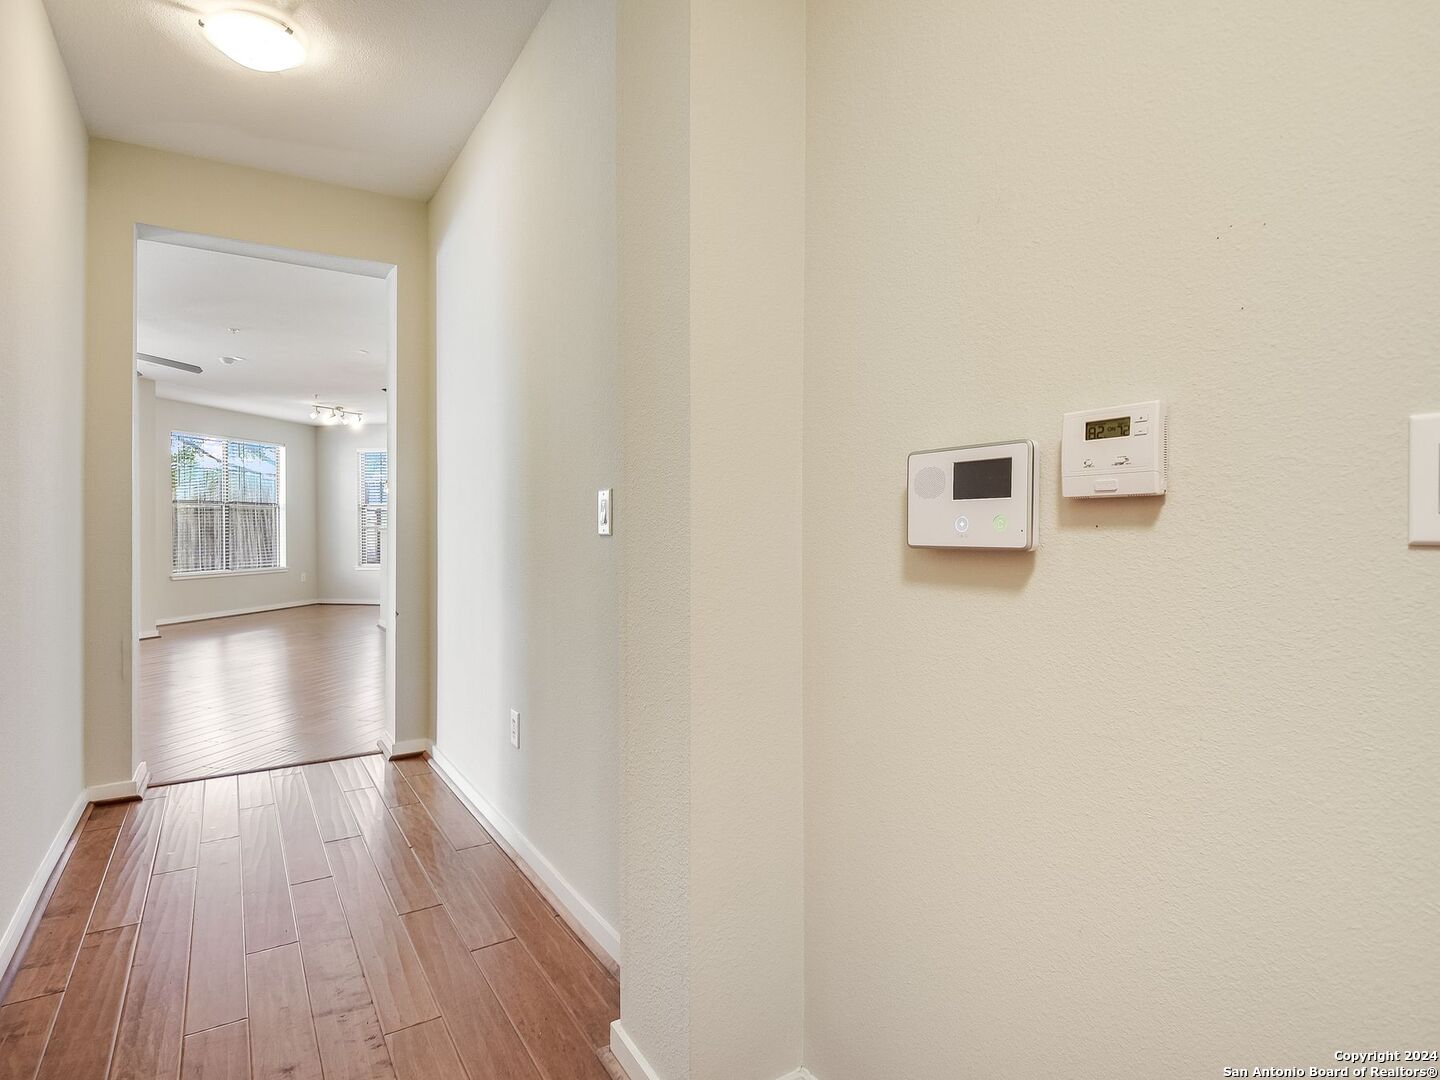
980, 496
1105, 453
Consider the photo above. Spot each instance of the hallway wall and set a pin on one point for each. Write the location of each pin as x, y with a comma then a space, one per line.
523, 240
42, 289
1159, 797
131, 185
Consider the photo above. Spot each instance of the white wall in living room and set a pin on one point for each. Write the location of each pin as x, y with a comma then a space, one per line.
337, 539
42, 278
166, 599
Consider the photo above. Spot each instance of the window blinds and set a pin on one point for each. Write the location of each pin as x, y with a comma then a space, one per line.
227, 504
373, 506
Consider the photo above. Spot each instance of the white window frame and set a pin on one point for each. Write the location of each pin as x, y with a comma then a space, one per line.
361, 507
283, 463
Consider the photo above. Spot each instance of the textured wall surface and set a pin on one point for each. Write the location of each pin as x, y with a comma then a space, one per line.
747, 280
652, 523
42, 283
130, 185
1160, 797
523, 236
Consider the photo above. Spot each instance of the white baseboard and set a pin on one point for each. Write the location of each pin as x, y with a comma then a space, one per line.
20, 917
405, 748
637, 1068
236, 611
601, 933
133, 788
629, 1055
151, 633
352, 603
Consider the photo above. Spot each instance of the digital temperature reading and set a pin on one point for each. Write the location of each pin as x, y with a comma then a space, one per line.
1107, 429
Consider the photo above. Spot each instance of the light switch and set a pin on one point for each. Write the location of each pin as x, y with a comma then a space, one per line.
603, 520
1425, 479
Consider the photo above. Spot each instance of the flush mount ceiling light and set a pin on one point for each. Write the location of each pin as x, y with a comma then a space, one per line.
254, 40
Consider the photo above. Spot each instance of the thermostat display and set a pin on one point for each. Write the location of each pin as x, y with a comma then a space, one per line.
1118, 428
1111, 452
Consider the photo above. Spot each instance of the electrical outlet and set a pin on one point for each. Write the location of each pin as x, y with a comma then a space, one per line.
515, 728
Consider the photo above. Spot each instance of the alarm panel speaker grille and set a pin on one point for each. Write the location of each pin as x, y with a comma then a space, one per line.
930, 482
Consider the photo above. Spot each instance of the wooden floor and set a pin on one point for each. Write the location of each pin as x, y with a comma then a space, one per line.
258, 691
343, 920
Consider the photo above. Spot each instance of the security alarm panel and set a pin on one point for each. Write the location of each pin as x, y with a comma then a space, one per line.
979, 496
1107, 453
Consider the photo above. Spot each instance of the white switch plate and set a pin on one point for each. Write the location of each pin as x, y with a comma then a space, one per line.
603, 520
515, 728
1425, 479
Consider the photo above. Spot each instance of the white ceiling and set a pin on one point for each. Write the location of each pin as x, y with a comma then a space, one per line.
301, 331
388, 95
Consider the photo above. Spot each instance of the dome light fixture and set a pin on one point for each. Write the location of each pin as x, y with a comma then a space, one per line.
255, 41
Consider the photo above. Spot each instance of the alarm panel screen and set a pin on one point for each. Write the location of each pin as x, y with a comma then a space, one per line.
987, 479
1107, 429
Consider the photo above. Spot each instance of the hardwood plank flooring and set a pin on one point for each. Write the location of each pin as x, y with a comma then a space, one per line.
217, 950
221, 1053
269, 921
282, 1032
332, 812
404, 879
260, 691
488, 1044
147, 1046
84, 1031
180, 835
346, 1024
425, 1052
221, 817
45, 966
456, 822
304, 853
255, 790
251, 961
389, 781
475, 916
352, 774
402, 997
543, 1023
24, 1029
122, 896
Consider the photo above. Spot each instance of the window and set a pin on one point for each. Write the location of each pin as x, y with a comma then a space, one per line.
373, 507
228, 505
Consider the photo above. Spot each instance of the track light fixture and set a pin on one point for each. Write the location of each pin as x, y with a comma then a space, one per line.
333, 414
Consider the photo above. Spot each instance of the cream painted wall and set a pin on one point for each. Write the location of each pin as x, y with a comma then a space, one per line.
747, 310
1159, 798
652, 524
164, 599
42, 281
523, 234
337, 465
130, 185
711, 137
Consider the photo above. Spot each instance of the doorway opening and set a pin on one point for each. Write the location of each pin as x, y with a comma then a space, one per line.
264, 575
